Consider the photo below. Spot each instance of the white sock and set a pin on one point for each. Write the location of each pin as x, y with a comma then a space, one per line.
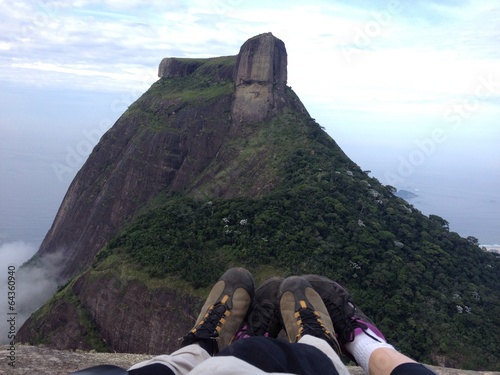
363, 346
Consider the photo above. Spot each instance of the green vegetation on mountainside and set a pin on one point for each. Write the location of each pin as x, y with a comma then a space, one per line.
157, 107
204, 83
431, 291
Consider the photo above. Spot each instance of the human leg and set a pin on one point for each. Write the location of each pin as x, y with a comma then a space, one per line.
358, 336
222, 314
152, 369
310, 349
276, 355
254, 355
179, 362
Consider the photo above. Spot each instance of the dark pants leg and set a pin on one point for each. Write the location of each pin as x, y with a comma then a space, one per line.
412, 369
274, 355
154, 369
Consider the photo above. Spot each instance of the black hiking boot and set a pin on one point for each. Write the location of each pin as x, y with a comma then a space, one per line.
223, 312
265, 317
304, 313
347, 317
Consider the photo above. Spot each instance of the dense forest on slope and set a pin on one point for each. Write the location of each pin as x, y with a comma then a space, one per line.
432, 292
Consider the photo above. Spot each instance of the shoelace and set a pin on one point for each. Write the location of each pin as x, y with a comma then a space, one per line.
344, 321
310, 323
212, 319
263, 319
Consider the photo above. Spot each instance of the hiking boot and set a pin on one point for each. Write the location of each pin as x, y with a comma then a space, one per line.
304, 313
264, 318
223, 312
347, 317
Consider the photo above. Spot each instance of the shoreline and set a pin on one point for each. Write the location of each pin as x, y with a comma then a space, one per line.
492, 248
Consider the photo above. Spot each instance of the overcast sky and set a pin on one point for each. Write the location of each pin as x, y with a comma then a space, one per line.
405, 87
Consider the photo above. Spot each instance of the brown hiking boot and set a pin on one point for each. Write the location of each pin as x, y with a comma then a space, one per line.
304, 313
223, 312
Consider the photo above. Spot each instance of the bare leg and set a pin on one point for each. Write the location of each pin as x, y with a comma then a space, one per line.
383, 360
360, 339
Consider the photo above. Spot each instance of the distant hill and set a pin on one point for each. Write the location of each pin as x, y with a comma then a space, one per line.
219, 164
405, 194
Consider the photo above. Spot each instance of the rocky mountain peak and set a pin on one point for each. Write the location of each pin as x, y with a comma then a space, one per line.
261, 74
262, 59
174, 138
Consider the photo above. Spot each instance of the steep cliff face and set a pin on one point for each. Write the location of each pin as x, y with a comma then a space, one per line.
176, 137
132, 163
103, 311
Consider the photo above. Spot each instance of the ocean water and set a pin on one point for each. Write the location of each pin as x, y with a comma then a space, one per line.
470, 212
30, 195
468, 197
45, 137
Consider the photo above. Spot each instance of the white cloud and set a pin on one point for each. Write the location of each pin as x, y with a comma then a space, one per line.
121, 77
16, 253
5, 46
110, 45
32, 285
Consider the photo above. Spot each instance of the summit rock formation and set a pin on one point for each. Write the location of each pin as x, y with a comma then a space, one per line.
261, 74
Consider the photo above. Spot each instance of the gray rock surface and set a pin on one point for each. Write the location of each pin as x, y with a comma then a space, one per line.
261, 74
32, 360
175, 67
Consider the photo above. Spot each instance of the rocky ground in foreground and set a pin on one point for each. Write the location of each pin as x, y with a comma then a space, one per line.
45, 361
